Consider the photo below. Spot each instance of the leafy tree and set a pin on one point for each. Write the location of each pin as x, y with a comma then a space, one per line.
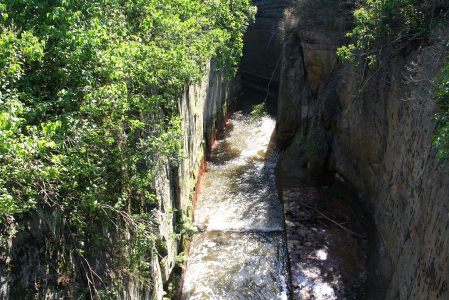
88, 97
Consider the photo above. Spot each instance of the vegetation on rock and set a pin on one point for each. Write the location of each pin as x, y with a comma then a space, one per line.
382, 25
88, 100
259, 110
316, 142
441, 96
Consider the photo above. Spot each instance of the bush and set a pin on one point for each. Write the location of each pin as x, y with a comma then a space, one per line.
88, 103
379, 23
259, 110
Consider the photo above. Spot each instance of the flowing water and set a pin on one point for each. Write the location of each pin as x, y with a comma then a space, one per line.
240, 252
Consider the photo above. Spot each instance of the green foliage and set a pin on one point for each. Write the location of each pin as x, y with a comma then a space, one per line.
180, 259
187, 227
184, 225
379, 23
346, 53
88, 101
259, 110
316, 143
395, 23
440, 93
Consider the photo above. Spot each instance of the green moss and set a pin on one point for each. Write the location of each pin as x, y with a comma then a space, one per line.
316, 142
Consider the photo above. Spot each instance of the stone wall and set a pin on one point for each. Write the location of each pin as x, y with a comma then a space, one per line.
203, 107
377, 127
262, 49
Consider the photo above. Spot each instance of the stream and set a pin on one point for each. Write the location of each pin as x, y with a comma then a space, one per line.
251, 245
240, 252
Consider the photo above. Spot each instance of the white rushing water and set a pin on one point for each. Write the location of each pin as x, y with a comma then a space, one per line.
241, 251
239, 190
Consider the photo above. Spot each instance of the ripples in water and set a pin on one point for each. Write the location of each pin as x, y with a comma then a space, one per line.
237, 265
241, 253
239, 190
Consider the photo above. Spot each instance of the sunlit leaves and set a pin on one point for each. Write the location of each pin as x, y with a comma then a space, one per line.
96, 86
382, 22
440, 92
88, 102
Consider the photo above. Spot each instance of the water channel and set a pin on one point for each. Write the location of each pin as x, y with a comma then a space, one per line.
241, 250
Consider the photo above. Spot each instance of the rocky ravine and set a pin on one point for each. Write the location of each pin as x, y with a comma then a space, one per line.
372, 129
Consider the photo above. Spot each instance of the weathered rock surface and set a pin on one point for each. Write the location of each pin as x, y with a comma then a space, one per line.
380, 127
262, 50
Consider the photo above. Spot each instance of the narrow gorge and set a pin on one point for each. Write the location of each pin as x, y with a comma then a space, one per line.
240, 251
224, 149
370, 131
361, 135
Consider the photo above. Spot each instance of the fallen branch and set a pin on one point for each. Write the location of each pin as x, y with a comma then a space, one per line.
335, 222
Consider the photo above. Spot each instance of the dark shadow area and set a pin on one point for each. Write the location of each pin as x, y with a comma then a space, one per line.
262, 50
376, 255
252, 94
327, 261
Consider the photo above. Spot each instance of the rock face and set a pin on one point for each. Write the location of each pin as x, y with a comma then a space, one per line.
33, 261
203, 108
262, 50
378, 138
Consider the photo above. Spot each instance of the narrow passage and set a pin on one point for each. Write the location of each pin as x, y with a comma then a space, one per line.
241, 251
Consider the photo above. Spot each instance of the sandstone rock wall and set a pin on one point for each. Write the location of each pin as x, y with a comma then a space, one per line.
378, 130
